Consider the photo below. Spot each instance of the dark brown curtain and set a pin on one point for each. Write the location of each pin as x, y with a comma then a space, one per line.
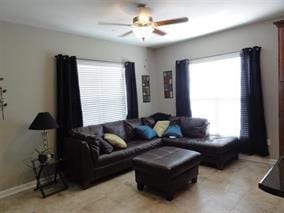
182, 88
253, 136
69, 112
131, 90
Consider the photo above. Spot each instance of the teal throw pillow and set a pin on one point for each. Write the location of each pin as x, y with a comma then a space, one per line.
173, 131
145, 132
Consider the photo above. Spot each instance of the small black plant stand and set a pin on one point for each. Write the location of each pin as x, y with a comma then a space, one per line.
46, 177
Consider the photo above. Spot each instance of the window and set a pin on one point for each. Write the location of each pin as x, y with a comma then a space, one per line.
215, 86
103, 91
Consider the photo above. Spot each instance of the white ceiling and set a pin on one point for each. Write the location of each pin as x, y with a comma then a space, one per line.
81, 16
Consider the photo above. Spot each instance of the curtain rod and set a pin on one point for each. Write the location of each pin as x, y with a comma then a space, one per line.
88, 59
214, 55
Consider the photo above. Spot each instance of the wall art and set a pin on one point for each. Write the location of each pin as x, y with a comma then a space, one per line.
168, 84
146, 88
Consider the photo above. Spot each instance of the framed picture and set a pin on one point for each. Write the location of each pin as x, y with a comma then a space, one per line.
168, 84
146, 88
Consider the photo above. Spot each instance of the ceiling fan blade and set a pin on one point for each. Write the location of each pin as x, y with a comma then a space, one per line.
159, 32
126, 34
171, 21
114, 24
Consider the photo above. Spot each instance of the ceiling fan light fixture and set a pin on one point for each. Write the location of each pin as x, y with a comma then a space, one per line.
142, 20
143, 26
143, 32
144, 15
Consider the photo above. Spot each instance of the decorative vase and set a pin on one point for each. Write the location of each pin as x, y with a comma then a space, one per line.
42, 158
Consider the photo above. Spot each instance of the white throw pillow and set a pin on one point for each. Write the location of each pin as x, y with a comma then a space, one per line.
160, 127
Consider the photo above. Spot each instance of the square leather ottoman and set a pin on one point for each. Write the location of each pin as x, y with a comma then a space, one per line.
166, 168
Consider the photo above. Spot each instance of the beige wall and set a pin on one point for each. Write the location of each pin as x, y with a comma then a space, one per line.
1, 75
29, 72
1, 49
262, 34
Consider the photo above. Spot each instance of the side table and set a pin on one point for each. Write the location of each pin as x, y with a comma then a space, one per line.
46, 176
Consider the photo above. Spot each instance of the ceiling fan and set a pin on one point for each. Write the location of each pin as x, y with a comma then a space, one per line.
143, 25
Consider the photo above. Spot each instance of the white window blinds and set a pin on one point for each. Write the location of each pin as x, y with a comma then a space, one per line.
215, 92
103, 91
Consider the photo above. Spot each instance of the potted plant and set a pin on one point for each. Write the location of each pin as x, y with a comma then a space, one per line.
43, 154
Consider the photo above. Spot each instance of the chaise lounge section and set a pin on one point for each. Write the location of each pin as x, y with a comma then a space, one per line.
216, 151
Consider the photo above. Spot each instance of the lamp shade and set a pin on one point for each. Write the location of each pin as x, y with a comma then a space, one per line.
43, 121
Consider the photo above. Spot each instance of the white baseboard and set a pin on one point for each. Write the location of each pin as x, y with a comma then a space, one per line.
17, 189
32, 184
21, 188
258, 159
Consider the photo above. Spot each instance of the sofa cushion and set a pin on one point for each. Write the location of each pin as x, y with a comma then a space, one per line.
91, 130
175, 120
116, 128
145, 132
160, 127
148, 121
130, 124
194, 127
159, 116
92, 142
105, 147
213, 145
115, 140
173, 130
134, 148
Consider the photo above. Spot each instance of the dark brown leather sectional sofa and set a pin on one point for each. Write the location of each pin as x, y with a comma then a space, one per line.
86, 161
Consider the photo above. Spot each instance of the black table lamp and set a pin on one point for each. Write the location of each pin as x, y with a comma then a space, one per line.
44, 121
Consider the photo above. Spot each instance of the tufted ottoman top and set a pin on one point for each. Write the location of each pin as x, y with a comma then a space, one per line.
166, 160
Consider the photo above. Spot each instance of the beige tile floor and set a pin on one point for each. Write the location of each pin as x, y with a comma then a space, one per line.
231, 190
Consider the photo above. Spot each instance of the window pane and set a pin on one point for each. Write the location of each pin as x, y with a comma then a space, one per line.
102, 90
215, 94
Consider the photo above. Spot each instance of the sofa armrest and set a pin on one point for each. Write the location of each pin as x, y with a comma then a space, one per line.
79, 160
